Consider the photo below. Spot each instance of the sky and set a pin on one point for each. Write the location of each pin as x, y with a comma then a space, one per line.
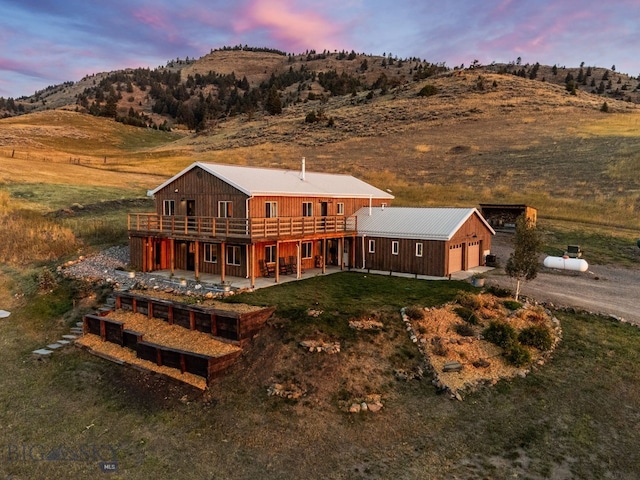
48, 42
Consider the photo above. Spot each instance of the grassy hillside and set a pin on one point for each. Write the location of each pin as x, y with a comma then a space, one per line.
483, 137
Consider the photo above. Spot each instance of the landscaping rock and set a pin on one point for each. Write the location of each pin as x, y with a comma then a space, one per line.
452, 367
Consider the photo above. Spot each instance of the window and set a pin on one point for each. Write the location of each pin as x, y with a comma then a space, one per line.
169, 207
307, 250
307, 209
233, 255
418, 249
210, 253
395, 247
270, 253
340, 208
225, 209
372, 246
271, 209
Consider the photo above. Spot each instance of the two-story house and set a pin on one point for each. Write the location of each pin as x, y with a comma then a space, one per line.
249, 222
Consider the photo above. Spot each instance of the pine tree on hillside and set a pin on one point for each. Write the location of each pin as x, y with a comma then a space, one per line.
273, 104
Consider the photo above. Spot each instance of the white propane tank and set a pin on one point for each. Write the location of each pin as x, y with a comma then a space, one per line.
566, 263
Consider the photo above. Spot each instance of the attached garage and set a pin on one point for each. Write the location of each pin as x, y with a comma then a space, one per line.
422, 241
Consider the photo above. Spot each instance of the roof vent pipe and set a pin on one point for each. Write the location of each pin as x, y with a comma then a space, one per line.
302, 174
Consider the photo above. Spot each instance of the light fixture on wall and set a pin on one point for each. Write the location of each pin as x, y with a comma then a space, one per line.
176, 190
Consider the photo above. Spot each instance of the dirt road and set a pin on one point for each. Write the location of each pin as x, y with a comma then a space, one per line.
602, 289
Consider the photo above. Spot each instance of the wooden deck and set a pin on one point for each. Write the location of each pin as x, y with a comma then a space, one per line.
238, 228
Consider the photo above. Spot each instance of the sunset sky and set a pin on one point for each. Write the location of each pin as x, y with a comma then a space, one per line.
47, 42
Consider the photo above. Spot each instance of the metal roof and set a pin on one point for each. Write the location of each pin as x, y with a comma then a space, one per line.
268, 181
414, 222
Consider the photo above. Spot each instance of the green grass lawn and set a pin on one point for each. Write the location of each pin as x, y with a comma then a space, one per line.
576, 417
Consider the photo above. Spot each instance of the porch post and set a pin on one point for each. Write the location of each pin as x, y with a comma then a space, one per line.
341, 252
299, 259
197, 262
172, 248
252, 272
224, 261
352, 252
324, 255
277, 261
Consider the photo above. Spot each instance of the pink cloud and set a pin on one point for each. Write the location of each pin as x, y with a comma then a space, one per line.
292, 26
540, 31
151, 19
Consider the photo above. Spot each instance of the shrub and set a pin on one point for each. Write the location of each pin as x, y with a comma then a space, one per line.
535, 314
428, 91
46, 280
538, 336
500, 333
439, 348
464, 329
517, 355
467, 315
414, 312
499, 291
469, 300
512, 304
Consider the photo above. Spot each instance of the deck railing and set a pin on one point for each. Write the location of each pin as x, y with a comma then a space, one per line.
239, 228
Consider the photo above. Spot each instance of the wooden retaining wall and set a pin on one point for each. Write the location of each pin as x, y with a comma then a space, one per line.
237, 327
113, 331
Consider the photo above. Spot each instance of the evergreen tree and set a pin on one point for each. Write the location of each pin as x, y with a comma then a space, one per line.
523, 263
273, 104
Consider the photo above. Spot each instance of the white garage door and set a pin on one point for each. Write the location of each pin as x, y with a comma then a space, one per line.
455, 258
474, 254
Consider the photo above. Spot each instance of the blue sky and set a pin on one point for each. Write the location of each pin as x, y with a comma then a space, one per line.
47, 42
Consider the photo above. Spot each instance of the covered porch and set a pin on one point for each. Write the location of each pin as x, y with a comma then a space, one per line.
213, 281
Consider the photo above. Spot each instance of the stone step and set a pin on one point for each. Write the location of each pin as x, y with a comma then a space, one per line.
54, 346
42, 352
80, 324
63, 342
70, 337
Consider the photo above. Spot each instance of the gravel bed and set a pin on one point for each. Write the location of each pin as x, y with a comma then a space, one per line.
112, 266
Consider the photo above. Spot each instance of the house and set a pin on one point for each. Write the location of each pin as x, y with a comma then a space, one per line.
249, 222
421, 241
504, 216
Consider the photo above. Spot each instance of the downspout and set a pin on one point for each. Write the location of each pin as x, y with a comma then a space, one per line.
363, 254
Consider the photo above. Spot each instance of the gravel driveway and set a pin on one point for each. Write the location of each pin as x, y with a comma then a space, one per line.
602, 289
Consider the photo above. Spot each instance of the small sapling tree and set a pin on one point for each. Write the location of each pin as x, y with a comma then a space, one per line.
523, 263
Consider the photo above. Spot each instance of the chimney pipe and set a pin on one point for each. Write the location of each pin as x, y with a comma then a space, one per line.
302, 175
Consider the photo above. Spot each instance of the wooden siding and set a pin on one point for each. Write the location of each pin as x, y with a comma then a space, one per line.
431, 263
289, 206
206, 190
136, 252
473, 231
435, 260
